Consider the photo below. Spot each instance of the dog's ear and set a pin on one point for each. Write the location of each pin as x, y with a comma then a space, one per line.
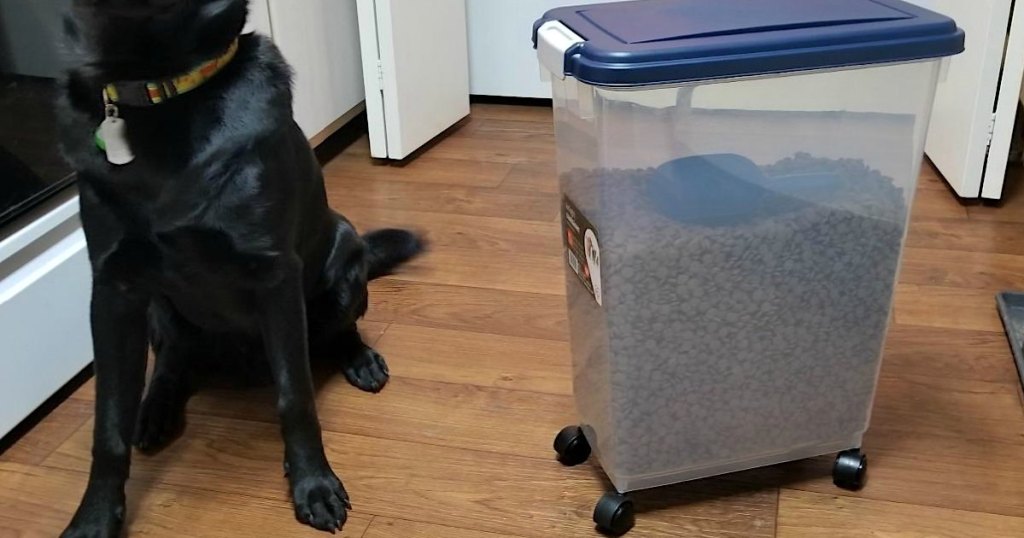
72, 33
218, 18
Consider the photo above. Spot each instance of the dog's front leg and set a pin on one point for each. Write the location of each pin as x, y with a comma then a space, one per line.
119, 346
320, 499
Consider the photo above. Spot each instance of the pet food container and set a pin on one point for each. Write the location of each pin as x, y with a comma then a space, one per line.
737, 178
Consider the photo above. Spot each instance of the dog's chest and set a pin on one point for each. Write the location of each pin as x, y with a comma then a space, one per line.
211, 281
209, 265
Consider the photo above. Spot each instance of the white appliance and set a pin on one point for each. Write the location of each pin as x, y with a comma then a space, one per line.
416, 71
45, 285
976, 104
320, 39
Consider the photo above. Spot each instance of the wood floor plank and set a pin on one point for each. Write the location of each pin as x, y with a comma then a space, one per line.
351, 193
484, 360
1011, 207
984, 271
539, 114
499, 312
938, 471
359, 146
812, 515
425, 169
441, 414
968, 235
954, 308
39, 502
941, 406
931, 178
465, 489
465, 416
46, 436
510, 150
945, 471
938, 203
510, 130
383, 527
707, 508
967, 355
532, 177
935, 183
372, 331
460, 395
483, 234
934, 441
983, 212
529, 273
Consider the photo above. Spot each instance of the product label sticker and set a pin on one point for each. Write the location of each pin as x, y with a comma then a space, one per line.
582, 249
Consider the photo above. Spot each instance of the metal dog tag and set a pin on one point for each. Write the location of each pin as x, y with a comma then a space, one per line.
111, 138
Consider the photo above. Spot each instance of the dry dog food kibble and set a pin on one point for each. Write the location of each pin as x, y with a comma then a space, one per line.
742, 306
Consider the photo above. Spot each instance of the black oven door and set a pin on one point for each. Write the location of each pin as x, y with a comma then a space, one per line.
31, 167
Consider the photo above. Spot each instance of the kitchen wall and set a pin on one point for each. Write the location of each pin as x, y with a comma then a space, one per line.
502, 61
29, 33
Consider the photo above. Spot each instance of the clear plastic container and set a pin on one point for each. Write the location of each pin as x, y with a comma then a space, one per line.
737, 181
729, 304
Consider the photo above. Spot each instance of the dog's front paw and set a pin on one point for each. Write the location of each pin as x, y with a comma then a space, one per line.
95, 523
367, 370
321, 501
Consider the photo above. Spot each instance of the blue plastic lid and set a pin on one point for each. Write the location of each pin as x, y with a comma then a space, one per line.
670, 41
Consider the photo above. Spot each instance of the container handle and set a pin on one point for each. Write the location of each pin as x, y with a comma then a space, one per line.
554, 40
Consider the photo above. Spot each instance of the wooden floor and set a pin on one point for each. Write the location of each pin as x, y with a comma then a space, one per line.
459, 444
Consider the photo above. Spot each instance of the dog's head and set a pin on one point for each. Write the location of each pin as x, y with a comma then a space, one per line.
140, 39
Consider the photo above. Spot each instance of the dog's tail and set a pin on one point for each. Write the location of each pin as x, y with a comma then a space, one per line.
387, 249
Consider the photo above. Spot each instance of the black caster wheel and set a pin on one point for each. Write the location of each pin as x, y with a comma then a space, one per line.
572, 446
850, 470
614, 514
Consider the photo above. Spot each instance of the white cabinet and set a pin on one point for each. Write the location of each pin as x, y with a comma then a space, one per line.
416, 71
320, 39
976, 103
45, 284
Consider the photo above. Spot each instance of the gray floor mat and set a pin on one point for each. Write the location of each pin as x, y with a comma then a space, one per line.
1011, 309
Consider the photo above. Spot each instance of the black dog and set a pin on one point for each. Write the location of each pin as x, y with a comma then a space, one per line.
215, 243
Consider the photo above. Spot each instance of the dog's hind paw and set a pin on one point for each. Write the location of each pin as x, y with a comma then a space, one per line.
161, 420
367, 370
321, 502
